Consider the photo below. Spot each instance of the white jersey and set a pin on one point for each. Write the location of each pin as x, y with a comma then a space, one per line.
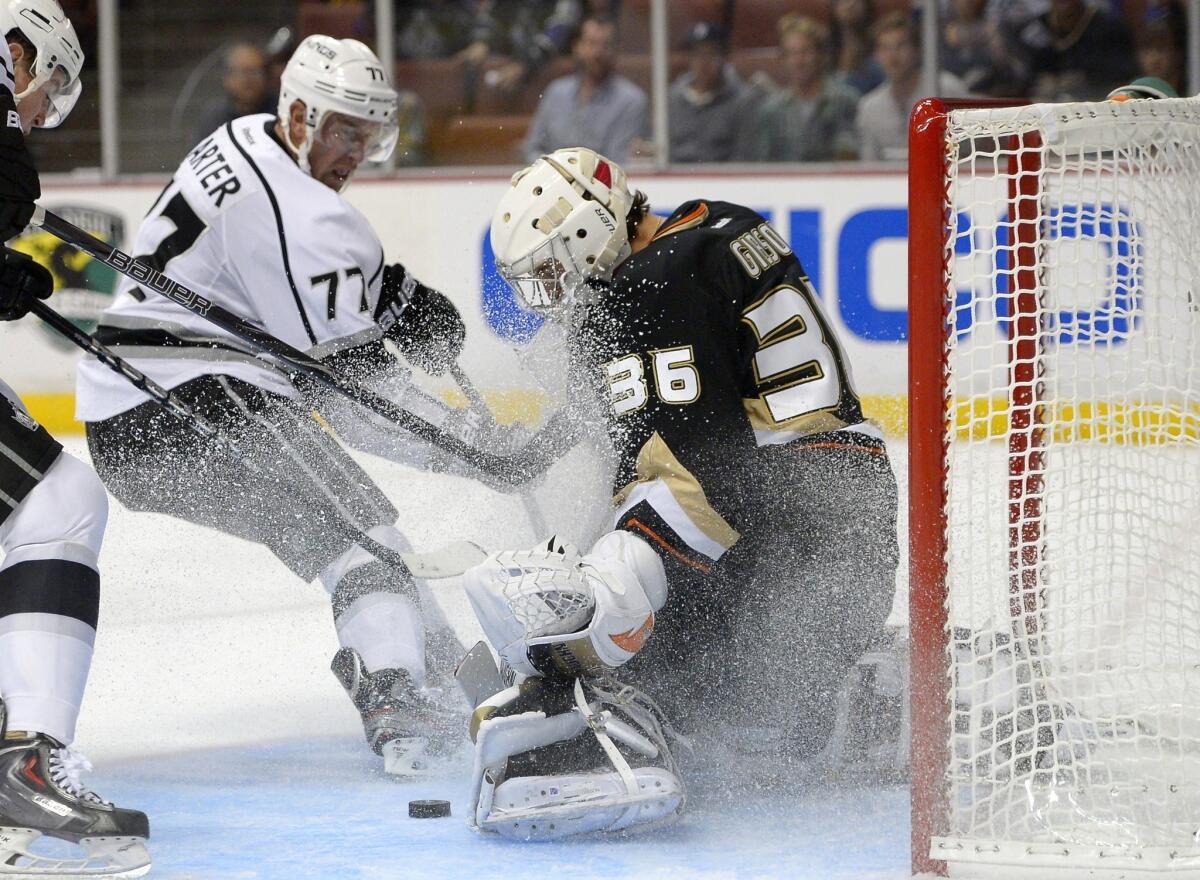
243, 226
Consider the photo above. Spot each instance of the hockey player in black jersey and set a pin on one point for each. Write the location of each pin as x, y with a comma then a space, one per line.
53, 511
753, 552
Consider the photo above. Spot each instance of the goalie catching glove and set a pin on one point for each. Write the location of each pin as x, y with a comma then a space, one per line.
550, 611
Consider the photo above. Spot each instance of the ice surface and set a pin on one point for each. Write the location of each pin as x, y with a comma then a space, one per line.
211, 707
318, 809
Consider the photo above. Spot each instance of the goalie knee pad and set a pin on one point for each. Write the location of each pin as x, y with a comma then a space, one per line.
554, 759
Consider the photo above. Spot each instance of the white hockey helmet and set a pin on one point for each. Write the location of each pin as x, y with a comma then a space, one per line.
561, 224
59, 56
339, 76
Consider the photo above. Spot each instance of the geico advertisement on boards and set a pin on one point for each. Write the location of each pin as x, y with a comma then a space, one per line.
849, 231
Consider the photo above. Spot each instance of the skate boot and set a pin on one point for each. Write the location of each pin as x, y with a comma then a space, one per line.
408, 726
42, 794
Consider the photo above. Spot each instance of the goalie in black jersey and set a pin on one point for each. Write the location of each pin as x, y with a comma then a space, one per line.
753, 552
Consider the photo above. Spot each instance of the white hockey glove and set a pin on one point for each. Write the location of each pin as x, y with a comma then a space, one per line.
550, 610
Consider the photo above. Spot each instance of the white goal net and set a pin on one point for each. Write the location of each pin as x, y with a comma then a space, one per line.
1072, 488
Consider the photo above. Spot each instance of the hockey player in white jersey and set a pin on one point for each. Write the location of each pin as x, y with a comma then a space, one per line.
53, 511
254, 220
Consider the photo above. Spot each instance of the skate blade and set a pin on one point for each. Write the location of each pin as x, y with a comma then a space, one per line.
407, 757
108, 858
415, 758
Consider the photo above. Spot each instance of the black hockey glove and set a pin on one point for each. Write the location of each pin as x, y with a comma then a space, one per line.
22, 281
19, 186
423, 323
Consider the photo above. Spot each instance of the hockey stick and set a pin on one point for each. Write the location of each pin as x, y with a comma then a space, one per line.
508, 469
448, 561
476, 402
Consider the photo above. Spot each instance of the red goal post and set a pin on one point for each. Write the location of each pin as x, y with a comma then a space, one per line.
1054, 462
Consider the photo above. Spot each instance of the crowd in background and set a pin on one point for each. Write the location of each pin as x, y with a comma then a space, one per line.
838, 84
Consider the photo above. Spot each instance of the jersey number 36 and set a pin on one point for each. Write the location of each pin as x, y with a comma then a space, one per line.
676, 380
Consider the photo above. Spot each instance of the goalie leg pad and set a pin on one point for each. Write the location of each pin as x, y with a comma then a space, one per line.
572, 800
550, 807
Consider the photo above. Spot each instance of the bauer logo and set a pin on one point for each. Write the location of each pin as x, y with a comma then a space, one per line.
51, 806
83, 287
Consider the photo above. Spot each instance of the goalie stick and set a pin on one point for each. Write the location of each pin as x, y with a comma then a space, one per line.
509, 469
448, 561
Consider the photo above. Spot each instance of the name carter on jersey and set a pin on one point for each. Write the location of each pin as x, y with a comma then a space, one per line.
212, 171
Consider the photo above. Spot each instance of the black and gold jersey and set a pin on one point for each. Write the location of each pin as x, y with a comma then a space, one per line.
712, 350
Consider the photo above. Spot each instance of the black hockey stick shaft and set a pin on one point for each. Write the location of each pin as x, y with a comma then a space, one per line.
476, 402
507, 469
169, 401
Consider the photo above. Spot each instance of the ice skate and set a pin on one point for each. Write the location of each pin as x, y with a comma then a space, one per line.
409, 727
42, 794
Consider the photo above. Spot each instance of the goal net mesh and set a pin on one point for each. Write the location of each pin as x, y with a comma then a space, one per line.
1073, 476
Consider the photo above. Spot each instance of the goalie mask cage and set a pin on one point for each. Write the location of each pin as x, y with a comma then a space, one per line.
1054, 382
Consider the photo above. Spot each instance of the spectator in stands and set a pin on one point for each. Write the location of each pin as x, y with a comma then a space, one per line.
593, 107
1075, 52
850, 37
1161, 52
974, 50
811, 119
709, 105
246, 92
882, 119
420, 37
538, 36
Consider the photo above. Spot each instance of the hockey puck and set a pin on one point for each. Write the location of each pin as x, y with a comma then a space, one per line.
428, 809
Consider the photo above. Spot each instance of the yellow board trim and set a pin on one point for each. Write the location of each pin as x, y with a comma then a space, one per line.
977, 418
54, 412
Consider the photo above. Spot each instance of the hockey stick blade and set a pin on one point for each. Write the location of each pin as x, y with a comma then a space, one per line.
509, 469
448, 561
